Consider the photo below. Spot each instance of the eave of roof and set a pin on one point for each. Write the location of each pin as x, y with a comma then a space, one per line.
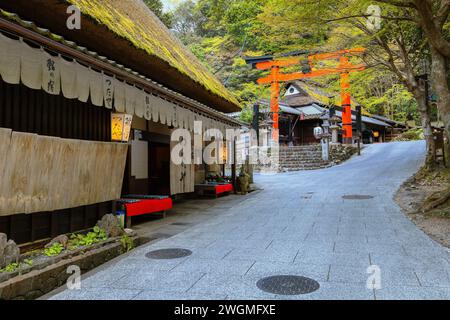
320, 111
14, 18
367, 119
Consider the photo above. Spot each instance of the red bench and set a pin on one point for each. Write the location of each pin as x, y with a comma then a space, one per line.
137, 207
224, 188
213, 189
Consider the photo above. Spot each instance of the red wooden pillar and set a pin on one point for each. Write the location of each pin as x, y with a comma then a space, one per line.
274, 102
346, 104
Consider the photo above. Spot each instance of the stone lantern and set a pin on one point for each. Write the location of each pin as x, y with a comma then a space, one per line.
334, 127
325, 136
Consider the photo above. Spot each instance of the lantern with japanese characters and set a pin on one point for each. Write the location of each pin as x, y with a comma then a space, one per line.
318, 132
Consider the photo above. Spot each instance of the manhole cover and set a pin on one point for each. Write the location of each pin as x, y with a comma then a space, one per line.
357, 197
288, 285
168, 254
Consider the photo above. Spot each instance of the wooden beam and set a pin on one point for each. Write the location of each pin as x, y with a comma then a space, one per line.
282, 77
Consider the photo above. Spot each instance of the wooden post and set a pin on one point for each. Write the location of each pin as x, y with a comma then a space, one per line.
233, 167
274, 103
346, 104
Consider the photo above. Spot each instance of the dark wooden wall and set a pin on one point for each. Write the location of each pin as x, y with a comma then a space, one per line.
26, 110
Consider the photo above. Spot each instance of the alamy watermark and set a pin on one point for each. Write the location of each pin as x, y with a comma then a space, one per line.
74, 280
374, 279
213, 146
73, 22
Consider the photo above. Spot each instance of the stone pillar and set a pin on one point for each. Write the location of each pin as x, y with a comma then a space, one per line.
334, 134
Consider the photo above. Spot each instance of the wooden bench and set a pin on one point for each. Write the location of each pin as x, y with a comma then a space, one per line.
213, 189
137, 205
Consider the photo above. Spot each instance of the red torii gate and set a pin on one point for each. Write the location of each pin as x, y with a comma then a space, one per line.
344, 69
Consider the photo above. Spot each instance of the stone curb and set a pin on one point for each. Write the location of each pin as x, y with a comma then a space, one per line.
38, 282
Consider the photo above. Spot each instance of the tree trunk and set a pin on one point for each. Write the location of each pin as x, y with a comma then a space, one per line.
424, 110
441, 86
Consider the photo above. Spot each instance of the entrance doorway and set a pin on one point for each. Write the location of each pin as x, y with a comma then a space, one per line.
159, 168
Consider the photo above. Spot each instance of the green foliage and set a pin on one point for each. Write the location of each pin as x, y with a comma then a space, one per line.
15, 266
247, 114
127, 242
220, 33
54, 250
10, 268
157, 7
411, 135
28, 262
81, 240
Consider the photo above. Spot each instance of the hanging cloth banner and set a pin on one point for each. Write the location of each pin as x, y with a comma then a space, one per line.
140, 100
147, 107
10, 59
31, 68
130, 99
96, 88
162, 111
83, 83
68, 79
51, 76
40, 173
155, 108
119, 95
177, 116
108, 91
169, 113
40, 70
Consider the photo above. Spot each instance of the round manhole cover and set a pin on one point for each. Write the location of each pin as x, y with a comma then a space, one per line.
288, 285
168, 254
357, 197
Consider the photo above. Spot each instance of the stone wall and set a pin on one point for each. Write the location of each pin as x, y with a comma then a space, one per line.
340, 153
45, 278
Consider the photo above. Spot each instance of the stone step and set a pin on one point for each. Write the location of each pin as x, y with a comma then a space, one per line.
299, 164
302, 159
317, 156
300, 155
306, 165
303, 169
306, 146
300, 151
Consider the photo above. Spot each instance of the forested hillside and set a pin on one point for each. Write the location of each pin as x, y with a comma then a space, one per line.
222, 32
407, 44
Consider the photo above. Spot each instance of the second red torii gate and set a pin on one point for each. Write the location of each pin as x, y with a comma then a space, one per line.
344, 69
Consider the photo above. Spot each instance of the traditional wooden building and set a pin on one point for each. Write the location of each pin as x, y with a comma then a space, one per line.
86, 114
304, 105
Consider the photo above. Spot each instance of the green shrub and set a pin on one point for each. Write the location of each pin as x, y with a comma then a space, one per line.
81, 240
411, 135
127, 242
54, 250
10, 268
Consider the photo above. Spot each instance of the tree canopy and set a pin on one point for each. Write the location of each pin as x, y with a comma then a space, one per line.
221, 33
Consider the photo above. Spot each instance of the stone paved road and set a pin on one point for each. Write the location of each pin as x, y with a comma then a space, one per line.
299, 225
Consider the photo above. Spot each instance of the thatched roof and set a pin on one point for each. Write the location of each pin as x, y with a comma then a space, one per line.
128, 32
